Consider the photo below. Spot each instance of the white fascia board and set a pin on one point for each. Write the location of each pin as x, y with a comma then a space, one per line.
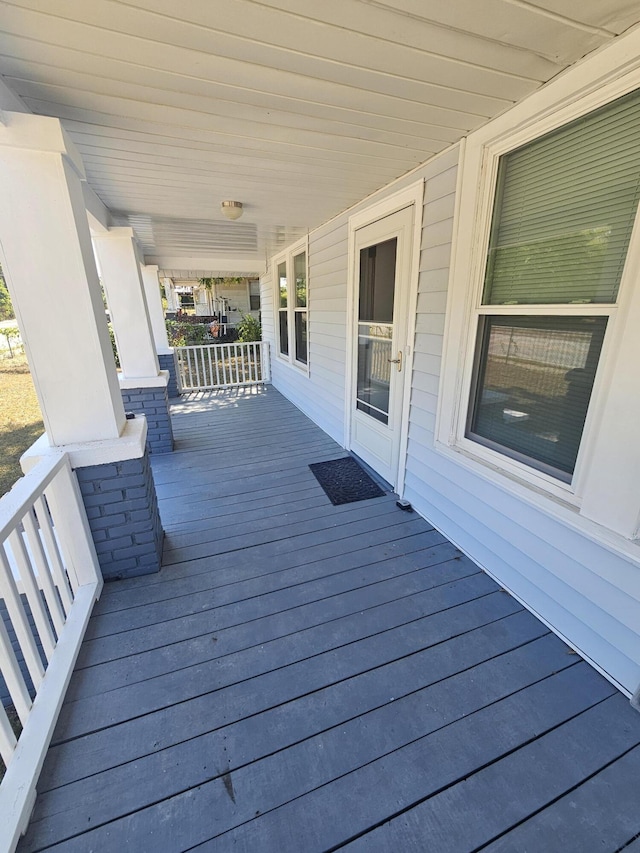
229, 266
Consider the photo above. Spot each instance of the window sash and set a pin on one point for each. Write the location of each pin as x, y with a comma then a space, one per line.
564, 211
292, 310
533, 380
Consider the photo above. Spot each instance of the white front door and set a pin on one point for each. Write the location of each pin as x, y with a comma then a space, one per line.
383, 254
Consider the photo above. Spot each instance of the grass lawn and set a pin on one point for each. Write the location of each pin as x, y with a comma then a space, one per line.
20, 418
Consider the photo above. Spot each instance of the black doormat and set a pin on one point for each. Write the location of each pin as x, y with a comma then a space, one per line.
344, 481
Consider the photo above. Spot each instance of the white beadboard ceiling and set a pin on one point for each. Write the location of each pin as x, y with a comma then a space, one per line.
296, 108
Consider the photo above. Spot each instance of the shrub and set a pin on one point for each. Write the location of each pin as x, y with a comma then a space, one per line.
249, 329
185, 334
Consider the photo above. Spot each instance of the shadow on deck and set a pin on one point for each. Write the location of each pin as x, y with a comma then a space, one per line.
304, 677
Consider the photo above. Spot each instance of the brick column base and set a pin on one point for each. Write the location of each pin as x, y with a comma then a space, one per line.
153, 403
122, 508
167, 362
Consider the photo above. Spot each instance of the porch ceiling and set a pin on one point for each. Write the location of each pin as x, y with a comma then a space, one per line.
296, 108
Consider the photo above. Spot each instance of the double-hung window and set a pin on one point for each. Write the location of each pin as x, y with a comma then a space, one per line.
292, 298
562, 219
561, 224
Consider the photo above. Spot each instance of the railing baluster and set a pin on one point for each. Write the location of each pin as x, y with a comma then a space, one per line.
13, 678
187, 361
228, 365
44, 574
32, 591
243, 357
8, 740
217, 360
181, 369
19, 620
201, 355
53, 552
224, 353
195, 362
211, 382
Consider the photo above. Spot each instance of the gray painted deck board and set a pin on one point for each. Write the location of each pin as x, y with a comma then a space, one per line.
307, 677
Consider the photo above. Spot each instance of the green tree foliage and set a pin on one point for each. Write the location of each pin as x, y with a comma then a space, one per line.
6, 308
11, 334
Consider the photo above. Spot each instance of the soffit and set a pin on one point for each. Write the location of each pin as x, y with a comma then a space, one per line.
297, 108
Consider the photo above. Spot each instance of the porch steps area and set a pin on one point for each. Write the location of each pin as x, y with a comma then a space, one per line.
301, 677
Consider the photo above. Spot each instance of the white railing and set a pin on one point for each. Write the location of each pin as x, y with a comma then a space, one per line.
209, 366
49, 581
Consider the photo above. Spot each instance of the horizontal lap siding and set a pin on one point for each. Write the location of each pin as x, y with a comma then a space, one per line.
584, 590
321, 395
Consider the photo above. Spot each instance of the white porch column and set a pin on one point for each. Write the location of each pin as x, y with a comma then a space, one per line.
151, 284
169, 292
122, 281
46, 256
165, 354
48, 262
143, 384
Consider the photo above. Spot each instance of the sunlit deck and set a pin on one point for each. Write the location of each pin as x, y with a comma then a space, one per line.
304, 677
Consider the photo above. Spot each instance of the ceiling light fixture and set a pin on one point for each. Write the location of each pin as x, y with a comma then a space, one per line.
232, 209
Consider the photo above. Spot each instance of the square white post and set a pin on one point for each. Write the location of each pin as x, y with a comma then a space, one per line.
119, 262
151, 284
46, 256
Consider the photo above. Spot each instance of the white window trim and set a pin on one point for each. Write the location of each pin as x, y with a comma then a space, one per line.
604, 487
287, 257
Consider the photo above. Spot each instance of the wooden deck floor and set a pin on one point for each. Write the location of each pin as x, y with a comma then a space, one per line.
304, 677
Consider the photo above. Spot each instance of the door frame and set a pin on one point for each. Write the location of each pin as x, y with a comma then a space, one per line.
413, 195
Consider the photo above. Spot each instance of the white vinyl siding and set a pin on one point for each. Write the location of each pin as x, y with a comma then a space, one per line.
587, 590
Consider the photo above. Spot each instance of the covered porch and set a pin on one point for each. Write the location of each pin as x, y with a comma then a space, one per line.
302, 676
264, 670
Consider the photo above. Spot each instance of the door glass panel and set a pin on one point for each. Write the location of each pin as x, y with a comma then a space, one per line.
377, 282
374, 370
375, 329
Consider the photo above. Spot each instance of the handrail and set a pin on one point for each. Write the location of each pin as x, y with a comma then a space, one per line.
49, 580
203, 367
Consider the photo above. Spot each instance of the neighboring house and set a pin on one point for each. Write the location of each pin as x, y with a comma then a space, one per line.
471, 332
232, 297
